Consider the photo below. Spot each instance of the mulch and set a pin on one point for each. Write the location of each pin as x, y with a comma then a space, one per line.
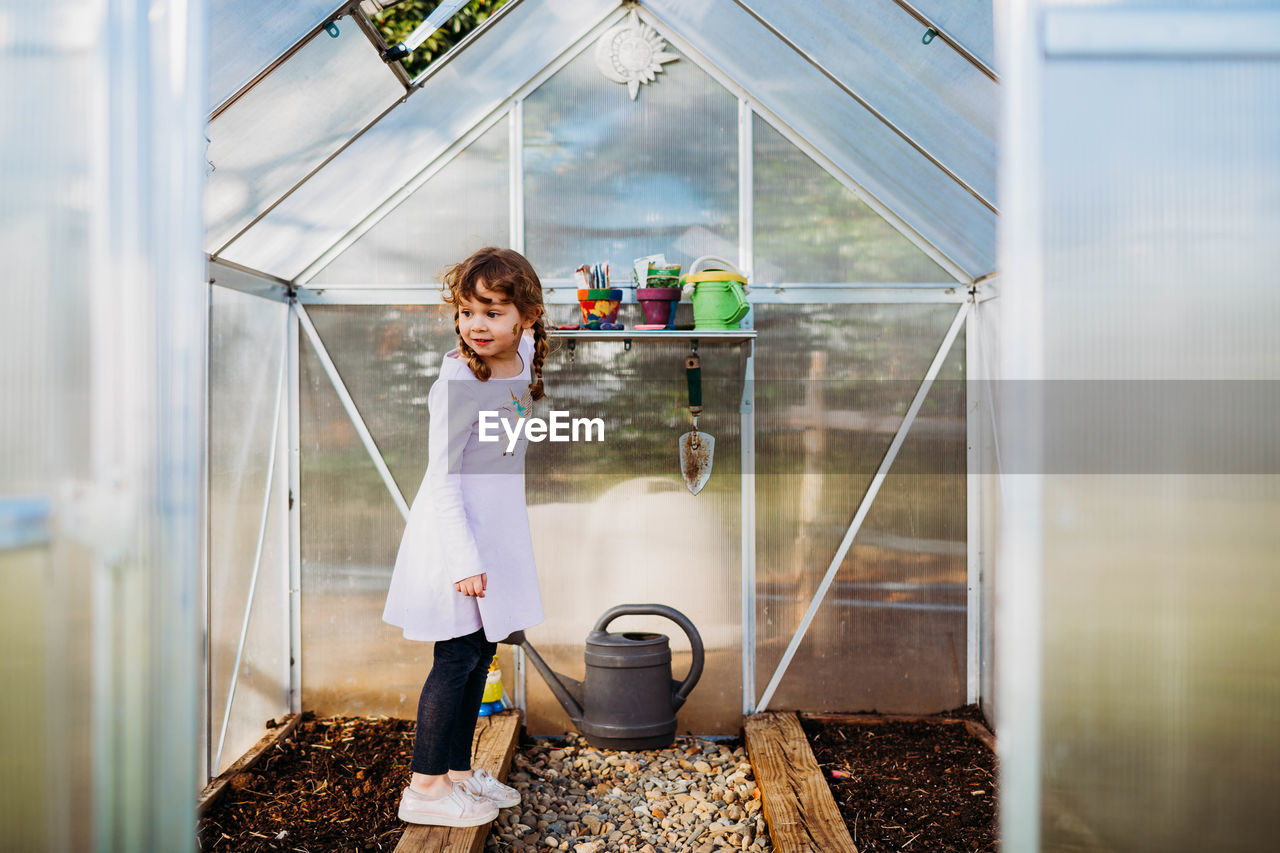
334, 784
913, 786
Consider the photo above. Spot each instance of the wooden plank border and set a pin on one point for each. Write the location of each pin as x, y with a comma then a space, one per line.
493, 748
798, 806
215, 788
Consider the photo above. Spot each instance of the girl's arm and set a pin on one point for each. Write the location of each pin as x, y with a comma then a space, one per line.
447, 435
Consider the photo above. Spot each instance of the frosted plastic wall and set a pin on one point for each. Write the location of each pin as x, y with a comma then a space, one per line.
245, 36
811, 228
46, 709
246, 339
880, 160
613, 523
24, 669
103, 312
465, 206
890, 634
1161, 702
611, 178
456, 97
355, 663
301, 113
930, 93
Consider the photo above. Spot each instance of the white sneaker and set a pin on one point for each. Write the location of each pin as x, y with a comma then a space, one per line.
482, 784
457, 808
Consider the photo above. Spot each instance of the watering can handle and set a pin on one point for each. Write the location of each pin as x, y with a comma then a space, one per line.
724, 264
695, 639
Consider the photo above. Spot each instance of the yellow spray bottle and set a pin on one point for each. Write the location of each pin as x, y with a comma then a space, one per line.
491, 702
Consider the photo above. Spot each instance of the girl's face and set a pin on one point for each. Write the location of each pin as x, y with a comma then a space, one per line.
493, 329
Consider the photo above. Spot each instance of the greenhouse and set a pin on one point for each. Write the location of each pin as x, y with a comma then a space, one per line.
993, 422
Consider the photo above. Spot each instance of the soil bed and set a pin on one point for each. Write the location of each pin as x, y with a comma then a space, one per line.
910, 785
333, 784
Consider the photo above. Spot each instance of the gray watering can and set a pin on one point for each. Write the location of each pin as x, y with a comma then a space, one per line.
628, 699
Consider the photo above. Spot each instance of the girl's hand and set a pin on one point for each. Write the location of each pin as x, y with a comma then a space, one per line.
474, 585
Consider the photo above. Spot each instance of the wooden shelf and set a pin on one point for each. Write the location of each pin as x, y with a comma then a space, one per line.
727, 335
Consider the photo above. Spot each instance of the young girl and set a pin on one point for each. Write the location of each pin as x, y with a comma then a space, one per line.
464, 576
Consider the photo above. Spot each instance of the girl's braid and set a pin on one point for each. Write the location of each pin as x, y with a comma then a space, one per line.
540, 349
541, 346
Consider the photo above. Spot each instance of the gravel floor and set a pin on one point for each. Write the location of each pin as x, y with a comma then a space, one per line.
697, 796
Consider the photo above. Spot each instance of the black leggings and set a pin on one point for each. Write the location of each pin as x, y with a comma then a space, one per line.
450, 703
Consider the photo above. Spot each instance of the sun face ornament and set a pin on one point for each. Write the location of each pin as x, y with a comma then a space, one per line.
632, 53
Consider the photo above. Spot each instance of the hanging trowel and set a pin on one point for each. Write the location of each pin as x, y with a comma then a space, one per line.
696, 447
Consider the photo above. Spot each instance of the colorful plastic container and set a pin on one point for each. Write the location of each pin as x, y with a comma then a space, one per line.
599, 305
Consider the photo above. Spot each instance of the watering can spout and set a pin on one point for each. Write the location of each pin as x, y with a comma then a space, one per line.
568, 691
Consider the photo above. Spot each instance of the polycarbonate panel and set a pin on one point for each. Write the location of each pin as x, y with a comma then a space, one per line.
933, 95
890, 634
246, 36
1160, 712
593, 508
465, 206
454, 98
858, 143
45, 439
613, 522
608, 178
102, 309
970, 24
299, 114
811, 228
44, 331
353, 662
246, 345
25, 672
388, 357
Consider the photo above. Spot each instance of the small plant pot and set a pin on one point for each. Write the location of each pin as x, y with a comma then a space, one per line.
599, 305
659, 305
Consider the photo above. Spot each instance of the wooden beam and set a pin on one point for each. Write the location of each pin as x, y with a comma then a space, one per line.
492, 749
215, 788
982, 733
798, 806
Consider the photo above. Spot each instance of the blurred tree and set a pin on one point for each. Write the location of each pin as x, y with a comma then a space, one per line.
400, 19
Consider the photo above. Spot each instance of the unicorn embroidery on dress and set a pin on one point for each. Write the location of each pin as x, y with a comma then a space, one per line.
519, 407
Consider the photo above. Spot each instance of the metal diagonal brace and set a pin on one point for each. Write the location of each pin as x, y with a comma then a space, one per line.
863, 508
257, 559
352, 412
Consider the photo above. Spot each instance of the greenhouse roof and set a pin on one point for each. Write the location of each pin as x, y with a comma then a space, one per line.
313, 136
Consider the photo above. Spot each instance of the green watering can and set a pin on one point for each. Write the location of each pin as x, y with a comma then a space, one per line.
719, 293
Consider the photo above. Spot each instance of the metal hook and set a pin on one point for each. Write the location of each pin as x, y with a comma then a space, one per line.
626, 345
929, 35
693, 342
573, 350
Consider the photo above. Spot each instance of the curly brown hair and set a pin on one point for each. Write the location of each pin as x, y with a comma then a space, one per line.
509, 273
